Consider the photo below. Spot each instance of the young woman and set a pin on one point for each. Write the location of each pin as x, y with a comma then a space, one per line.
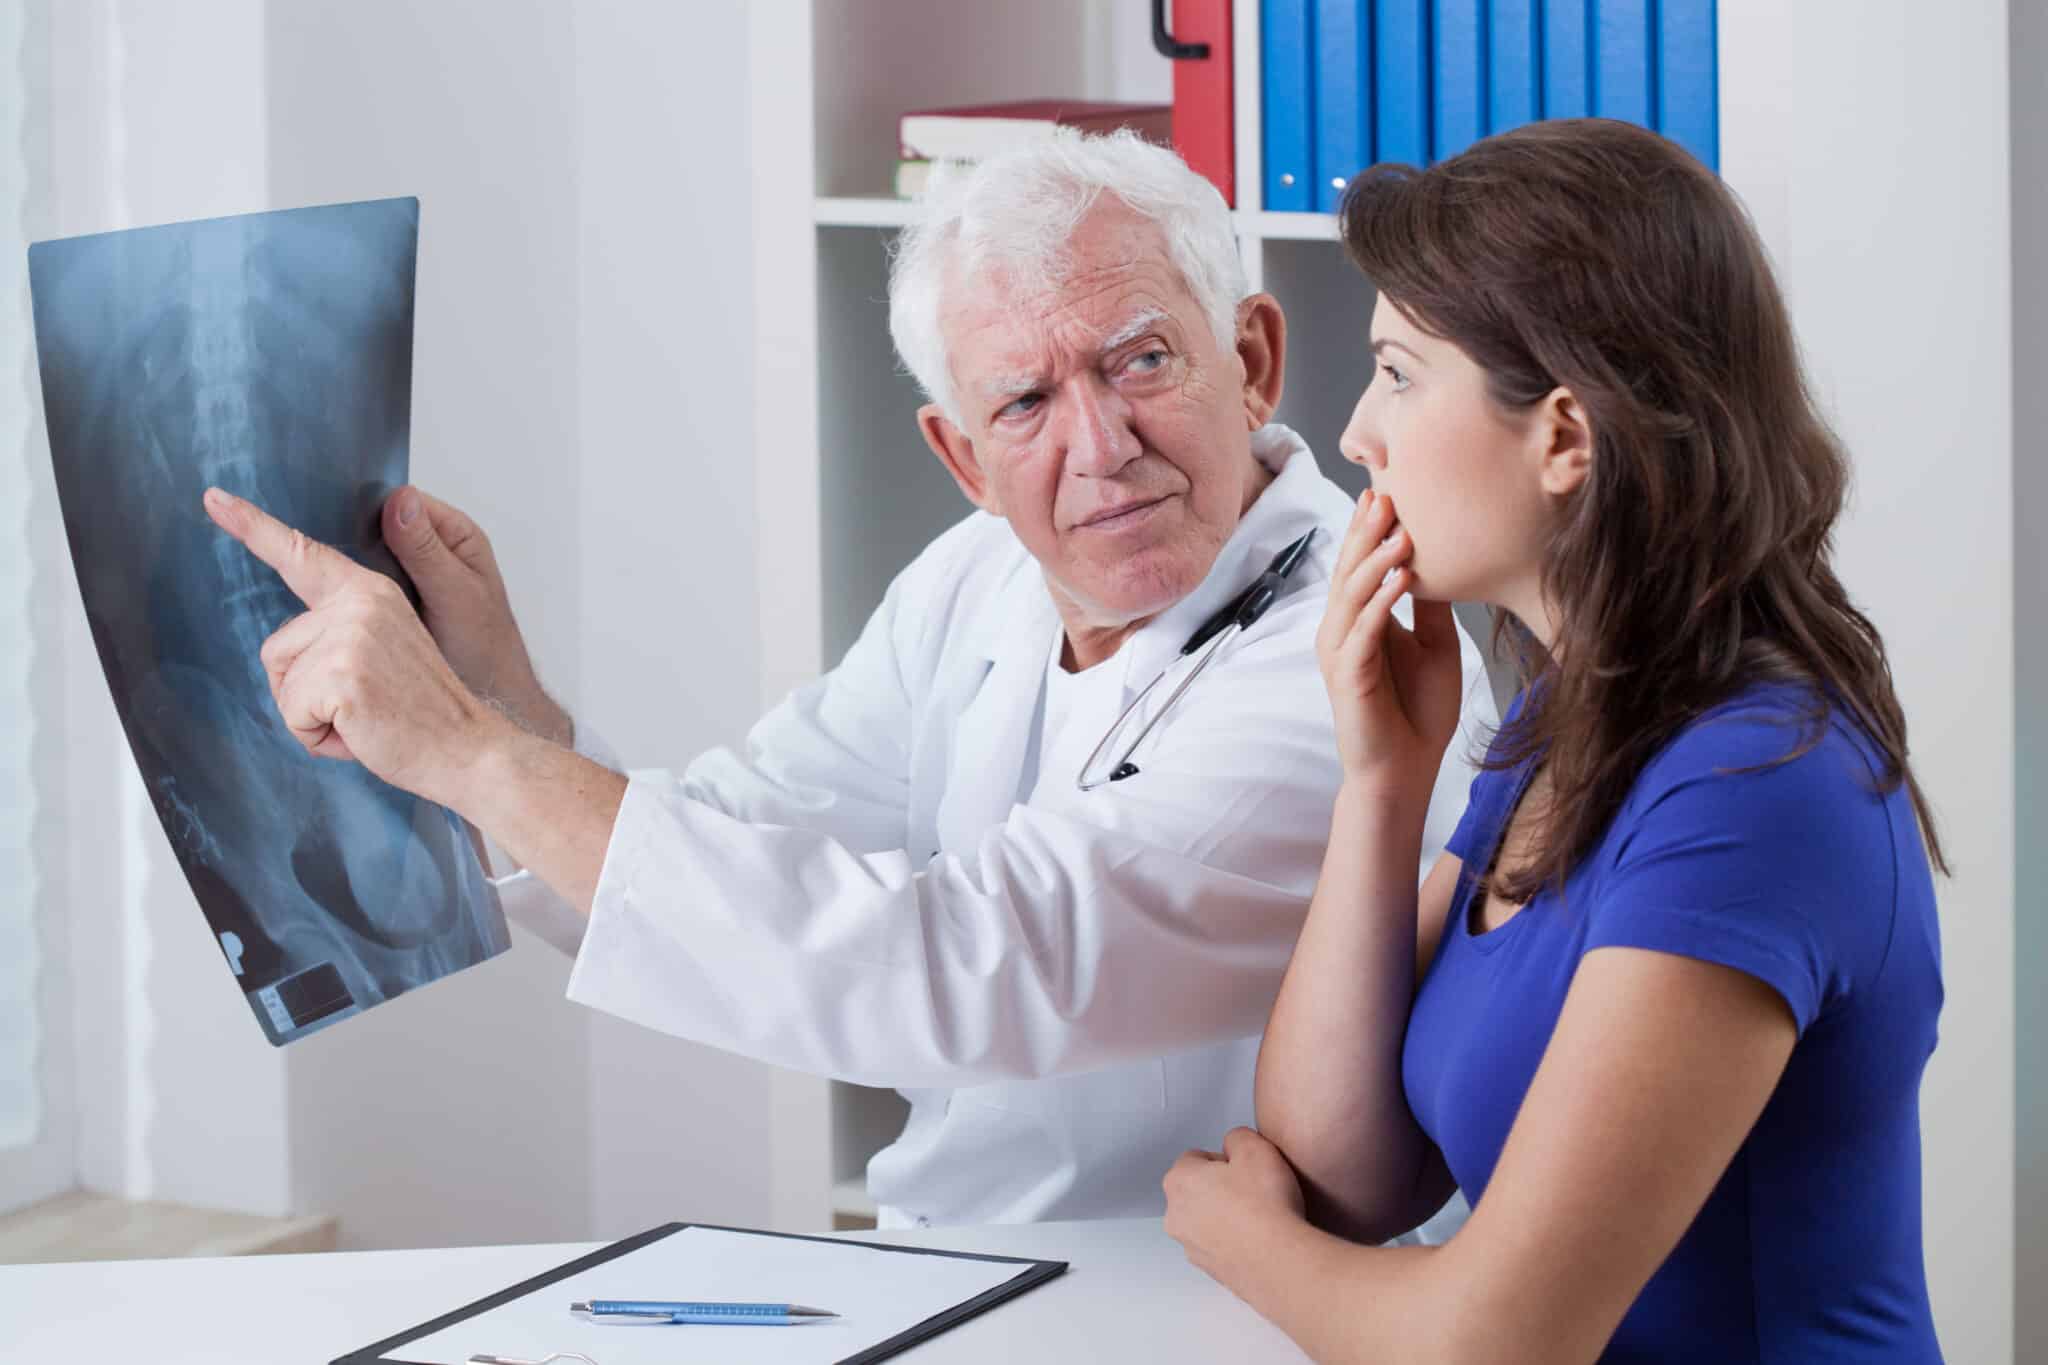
1662, 1009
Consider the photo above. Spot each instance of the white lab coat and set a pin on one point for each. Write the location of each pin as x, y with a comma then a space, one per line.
899, 884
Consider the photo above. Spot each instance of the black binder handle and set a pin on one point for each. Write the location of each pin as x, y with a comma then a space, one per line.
1168, 45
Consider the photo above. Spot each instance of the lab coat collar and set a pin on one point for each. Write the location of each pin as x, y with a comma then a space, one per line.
1024, 621
993, 728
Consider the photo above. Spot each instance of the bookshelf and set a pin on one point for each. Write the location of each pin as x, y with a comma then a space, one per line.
842, 473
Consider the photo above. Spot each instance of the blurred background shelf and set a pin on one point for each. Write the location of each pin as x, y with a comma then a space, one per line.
887, 211
1302, 227
862, 211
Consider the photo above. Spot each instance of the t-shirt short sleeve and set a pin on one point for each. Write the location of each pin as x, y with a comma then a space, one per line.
1785, 872
1472, 839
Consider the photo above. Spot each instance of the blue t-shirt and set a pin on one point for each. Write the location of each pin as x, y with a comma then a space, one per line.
1803, 876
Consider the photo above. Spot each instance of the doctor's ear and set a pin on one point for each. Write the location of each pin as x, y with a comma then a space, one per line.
1262, 346
1564, 440
956, 452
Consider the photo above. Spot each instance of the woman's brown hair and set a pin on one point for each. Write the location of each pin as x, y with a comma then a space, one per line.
1695, 558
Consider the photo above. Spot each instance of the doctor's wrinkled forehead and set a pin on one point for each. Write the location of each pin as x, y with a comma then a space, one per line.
1021, 210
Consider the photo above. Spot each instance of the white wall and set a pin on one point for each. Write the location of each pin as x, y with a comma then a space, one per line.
581, 371
581, 363
2030, 639
668, 607
1871, 142
177, 1096
456, 1113
38, 1151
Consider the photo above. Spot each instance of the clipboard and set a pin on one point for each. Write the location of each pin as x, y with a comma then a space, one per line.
1030, 1274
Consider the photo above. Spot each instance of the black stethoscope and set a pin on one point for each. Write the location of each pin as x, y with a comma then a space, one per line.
1236, 614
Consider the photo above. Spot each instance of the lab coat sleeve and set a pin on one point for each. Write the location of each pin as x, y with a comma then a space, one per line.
1087, 930
833, 758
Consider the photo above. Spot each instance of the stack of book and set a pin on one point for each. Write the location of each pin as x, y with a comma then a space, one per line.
1346, 83
975, 132
1197, 124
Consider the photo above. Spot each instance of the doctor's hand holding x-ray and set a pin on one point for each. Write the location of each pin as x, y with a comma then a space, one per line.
465, 606
358, 676
907, 877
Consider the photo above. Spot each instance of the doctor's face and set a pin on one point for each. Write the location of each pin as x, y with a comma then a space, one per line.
1104, 422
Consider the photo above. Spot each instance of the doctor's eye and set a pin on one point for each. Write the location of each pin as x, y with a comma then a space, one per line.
1156, 358
1021, 406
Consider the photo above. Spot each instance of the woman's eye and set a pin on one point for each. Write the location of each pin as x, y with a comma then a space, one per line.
1400, 380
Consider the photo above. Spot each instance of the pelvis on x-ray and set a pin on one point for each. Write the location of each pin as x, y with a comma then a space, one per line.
270, 354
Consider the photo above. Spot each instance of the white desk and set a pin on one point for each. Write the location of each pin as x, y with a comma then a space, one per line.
1128, 1294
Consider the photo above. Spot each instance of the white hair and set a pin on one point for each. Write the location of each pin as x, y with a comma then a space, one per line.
1020, 211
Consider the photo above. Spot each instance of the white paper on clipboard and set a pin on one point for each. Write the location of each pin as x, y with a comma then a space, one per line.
877, 1294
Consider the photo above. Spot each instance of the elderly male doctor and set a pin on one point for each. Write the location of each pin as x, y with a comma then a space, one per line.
904, 880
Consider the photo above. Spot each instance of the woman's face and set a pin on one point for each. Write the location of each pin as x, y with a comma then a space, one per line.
1466, 479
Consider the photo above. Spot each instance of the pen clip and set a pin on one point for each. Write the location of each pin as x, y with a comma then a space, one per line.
615, 1312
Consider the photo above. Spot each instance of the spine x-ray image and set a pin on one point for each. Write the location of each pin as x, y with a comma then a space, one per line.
270, 354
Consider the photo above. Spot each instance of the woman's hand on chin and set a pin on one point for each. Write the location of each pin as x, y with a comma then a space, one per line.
1394, 692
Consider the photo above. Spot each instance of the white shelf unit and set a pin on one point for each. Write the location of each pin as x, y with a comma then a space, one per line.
834, 412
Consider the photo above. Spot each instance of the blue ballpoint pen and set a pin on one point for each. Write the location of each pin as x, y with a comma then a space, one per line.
715, 1314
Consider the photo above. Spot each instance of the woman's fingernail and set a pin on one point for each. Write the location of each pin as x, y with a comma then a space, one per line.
408, 508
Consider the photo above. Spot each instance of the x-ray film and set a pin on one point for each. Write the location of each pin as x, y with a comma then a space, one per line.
270, 354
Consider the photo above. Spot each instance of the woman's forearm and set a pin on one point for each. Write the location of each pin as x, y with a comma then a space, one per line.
1344, 1303
1329, 1091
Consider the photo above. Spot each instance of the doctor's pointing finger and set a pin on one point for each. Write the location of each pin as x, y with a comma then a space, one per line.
356, 676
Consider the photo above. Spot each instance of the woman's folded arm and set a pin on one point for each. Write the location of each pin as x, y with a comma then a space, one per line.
1329, 1090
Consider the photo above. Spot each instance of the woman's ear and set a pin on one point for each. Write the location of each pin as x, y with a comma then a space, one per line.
1262, 346
1565, 440
956, 452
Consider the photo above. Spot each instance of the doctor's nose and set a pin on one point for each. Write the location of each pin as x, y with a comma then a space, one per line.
1097, 436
